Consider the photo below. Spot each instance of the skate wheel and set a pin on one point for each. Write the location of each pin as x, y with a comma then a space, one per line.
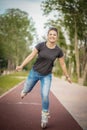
43, 125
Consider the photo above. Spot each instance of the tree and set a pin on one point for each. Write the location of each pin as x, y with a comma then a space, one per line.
74, 16
16, 34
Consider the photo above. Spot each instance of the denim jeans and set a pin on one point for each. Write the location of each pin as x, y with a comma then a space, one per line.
45, 81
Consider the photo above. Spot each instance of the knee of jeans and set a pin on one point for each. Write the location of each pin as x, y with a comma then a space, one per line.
27, 87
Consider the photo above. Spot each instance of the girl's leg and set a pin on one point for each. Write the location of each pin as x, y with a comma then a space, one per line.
45, 89
30, 83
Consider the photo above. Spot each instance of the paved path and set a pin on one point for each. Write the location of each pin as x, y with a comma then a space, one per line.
17, 114
74, 99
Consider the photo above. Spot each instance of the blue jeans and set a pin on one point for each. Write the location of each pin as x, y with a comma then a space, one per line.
45, 81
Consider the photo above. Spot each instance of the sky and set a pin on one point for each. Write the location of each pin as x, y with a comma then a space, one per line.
32, 7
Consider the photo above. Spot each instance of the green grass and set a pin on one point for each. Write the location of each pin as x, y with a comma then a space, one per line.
9, 81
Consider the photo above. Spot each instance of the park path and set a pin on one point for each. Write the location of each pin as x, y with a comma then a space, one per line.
73, 97
18, 114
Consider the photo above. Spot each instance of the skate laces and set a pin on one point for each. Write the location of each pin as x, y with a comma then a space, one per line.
45, 116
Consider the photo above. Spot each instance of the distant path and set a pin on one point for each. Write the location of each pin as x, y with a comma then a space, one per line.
17, 114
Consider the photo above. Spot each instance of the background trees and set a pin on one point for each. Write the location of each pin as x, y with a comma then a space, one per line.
73, 16
16, 35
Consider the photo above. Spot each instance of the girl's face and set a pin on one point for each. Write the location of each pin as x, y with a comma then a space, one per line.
52, 36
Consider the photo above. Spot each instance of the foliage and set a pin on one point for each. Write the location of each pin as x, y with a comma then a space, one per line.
16, 34
72, 14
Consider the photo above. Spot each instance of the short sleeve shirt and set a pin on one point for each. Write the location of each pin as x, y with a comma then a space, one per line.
46, 57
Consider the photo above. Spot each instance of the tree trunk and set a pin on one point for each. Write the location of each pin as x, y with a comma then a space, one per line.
84, 74
10, 65
77, 53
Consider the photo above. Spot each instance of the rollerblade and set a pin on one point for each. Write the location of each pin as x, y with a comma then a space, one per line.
23, 94
44, 119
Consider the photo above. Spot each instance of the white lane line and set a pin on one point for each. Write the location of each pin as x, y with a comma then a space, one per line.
26, 103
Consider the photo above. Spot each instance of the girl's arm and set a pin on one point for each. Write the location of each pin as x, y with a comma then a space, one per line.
63, 66
27, 59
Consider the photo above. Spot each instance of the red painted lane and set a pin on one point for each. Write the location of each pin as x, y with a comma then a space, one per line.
17, 114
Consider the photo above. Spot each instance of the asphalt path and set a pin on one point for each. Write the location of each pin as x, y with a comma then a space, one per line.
25, 114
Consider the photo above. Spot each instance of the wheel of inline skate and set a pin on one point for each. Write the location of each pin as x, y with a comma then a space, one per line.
43, 125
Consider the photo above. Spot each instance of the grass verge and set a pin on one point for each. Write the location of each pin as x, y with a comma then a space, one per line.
9, 81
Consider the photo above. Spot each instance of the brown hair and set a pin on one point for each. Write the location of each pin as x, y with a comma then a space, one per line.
53, 28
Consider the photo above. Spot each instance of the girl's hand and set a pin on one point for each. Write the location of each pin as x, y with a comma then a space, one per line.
19, 68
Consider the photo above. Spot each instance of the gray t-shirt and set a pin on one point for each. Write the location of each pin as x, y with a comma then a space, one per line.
46, 57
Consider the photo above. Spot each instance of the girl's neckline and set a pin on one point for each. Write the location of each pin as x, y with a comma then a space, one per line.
50, 47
